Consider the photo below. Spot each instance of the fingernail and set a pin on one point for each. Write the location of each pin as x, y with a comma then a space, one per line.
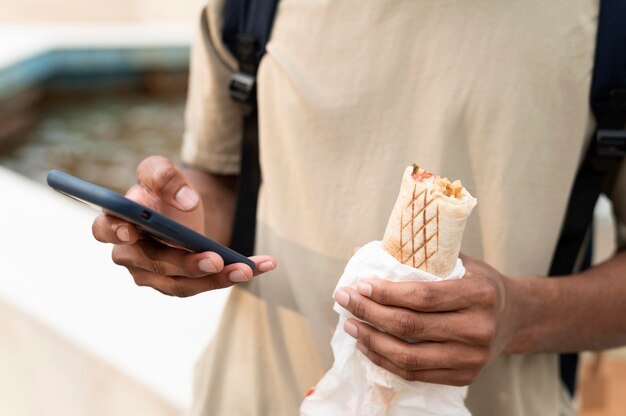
342, 298
361, 348
364, 289
266, 266
351, 329
206, 265
122, 233
186, 197
237, 276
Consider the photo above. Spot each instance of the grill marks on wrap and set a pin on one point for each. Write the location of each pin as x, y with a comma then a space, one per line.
424, 232
413, 223
426, 224
426, 202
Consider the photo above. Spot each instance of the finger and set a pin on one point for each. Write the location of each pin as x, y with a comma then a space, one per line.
160, 259
263, 264
143, 196
401, 353
162, 177
164, 260
182, 286
417, 356
404, 323
241, 272
438, 376
179, 286
441, 296
108, 229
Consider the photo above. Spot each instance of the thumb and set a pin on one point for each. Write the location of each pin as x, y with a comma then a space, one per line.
167, 182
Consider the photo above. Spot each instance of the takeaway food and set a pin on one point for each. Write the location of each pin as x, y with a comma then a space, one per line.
427, 222
421, 243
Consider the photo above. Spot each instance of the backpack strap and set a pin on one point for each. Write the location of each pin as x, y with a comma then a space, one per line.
608, 145
245, 32
604, 156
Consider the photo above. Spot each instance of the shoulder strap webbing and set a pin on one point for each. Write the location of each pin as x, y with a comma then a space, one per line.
609, 73
246, 30
604, 155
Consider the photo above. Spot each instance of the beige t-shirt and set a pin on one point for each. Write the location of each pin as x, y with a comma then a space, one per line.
350, 93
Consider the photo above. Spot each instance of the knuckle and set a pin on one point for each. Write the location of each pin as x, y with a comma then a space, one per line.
407, 360
375, 358
139, 279
477, 360
145, 164
383, 293
485, 333
159, 289
405, 325
164, 176
489, 294
157, 268
409, 375
184, 293
118, 256
367, 340
463, 378
360, 310
180, 290
425, 296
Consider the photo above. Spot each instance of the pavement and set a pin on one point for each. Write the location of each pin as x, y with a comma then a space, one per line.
74, 326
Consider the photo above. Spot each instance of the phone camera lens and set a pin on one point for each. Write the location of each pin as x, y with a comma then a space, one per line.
146, 215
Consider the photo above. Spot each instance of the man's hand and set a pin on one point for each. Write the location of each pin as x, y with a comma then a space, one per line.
459, 325
163, 187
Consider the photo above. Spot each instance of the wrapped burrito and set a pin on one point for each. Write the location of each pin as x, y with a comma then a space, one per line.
421, 244
427, 222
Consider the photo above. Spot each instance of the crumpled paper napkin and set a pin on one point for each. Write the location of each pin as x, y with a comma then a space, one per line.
357, 387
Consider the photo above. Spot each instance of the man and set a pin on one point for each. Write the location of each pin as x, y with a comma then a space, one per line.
349, 93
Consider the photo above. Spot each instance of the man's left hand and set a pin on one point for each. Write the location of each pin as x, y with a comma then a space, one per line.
459, 325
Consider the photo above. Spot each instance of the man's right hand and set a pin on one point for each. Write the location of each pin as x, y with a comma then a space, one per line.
163, 187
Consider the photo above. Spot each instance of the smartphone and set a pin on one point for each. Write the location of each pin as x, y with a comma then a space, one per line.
146, 219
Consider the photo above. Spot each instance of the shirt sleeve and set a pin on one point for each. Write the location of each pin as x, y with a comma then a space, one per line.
619, 205
213, 121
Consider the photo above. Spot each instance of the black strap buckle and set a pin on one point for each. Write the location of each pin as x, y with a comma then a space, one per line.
242, 88
610, 144
608, 150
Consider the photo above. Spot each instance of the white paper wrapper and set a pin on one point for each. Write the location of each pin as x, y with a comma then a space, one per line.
354, 385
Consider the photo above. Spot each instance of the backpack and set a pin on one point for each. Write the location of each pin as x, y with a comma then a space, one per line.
604, 156
246, 31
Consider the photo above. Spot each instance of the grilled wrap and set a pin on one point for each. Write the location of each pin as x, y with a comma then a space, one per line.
427, 222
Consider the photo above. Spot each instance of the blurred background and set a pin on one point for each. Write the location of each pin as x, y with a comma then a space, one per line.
92, 88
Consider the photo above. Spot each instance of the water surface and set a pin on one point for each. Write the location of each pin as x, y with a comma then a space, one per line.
99, 138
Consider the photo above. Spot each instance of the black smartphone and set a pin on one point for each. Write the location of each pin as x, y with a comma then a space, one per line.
146, 219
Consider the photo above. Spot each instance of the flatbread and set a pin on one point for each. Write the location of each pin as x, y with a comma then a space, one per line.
427, 222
